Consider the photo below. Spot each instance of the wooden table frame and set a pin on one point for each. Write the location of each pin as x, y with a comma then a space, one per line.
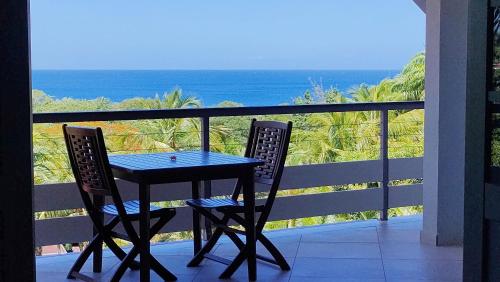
211, 167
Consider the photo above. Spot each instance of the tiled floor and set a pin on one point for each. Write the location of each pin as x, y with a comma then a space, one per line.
356, 251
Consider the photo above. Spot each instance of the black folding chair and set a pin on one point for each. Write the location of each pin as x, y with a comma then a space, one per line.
267, 141
90, 164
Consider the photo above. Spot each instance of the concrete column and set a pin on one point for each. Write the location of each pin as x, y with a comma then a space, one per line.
445, 86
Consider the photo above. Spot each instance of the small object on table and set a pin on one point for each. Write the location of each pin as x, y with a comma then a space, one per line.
173, 158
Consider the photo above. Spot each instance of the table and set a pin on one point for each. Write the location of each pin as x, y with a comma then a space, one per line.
190, 166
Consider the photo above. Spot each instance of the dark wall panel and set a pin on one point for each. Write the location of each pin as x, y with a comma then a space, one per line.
16, 188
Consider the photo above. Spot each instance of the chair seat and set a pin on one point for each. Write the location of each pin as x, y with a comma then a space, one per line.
132, 209
225, 204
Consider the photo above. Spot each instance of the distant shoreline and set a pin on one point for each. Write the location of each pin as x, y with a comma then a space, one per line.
222, 70
248, 87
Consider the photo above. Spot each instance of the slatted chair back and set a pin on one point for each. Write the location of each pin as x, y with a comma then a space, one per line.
93, 176
89, 160
268, 141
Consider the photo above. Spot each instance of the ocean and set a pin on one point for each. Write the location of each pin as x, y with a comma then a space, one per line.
248, 87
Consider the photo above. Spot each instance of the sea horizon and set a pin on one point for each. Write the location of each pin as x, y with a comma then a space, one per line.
242, 69
250, 87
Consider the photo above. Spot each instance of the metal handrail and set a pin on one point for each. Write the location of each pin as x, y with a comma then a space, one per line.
220, 112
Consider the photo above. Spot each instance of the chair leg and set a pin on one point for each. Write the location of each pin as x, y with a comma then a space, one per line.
198, 258
80, 261
240, 258
236, 240
159, 224
129, 262
155, 266
161, 270
98, 228
278, 257
120, 254
125, 264
97, 258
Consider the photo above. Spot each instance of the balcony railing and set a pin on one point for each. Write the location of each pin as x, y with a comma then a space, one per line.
64, 196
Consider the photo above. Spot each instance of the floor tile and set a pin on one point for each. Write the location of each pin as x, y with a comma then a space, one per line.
59, 265
319, 279
210, 271
441, 270
414, 225
359, 235
398, 235
397, 250
50, 276
177, 264
173, 250
287, 246
347, 252
130, 276
338, 268
339, 250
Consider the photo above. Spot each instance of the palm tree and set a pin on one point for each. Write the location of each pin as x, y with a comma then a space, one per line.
410, 83
171, 134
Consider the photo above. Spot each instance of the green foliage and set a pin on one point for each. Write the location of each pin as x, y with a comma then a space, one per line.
316, 138
411, 82
43, 103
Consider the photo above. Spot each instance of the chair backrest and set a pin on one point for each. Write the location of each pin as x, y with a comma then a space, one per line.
268, 141
93, 175
89, 160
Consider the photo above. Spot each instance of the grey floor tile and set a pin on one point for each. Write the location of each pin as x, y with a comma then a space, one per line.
129, 276
44, 276
348, 252
393, 224
441, 270
318, 279
177, 264
360, 235
338, 268
134, 276
339, 250
183, 249
287, 246
210, 271
63, 266
398, 250
56, 271
422, 280
398, 235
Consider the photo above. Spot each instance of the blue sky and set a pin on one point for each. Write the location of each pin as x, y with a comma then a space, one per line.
224, 34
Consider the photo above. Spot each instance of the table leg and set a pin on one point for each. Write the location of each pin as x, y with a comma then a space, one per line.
249, 198
195, 190
144, 222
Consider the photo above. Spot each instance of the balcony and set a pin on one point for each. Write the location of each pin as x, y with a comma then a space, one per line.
355, 251
362, 250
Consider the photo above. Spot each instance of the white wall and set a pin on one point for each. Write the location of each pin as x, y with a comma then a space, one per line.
444, 165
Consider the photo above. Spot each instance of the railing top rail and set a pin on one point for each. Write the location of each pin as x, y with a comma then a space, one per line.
220, 112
